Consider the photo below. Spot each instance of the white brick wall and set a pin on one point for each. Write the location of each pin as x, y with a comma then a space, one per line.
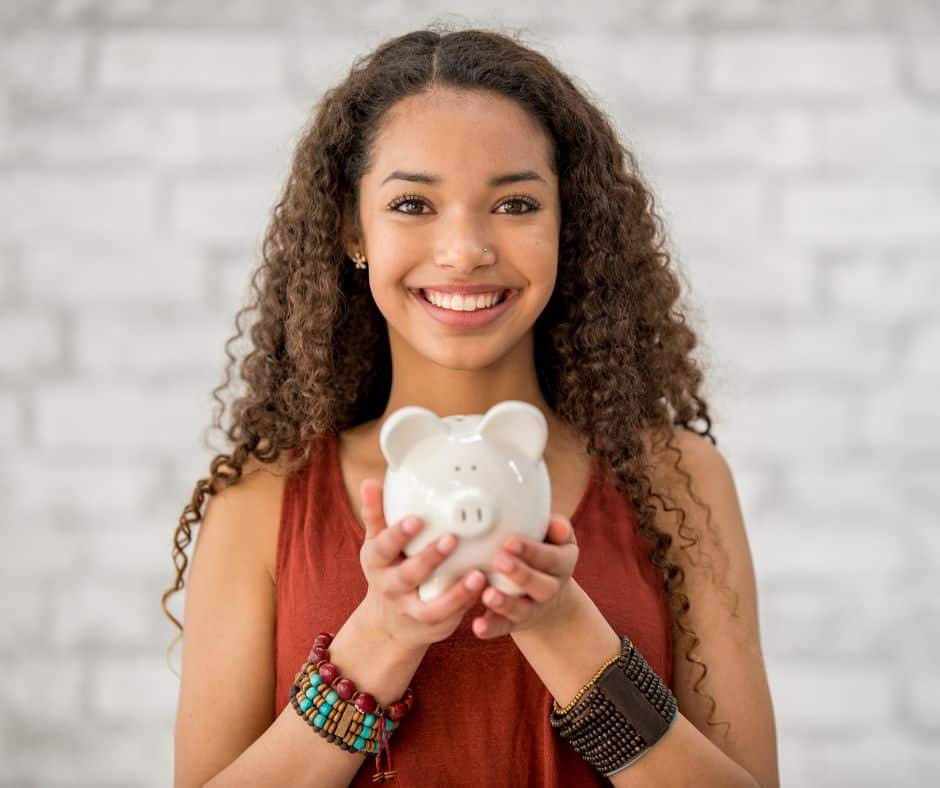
794, 149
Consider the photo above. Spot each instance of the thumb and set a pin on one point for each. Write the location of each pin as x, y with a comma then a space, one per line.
372, 511
560, 530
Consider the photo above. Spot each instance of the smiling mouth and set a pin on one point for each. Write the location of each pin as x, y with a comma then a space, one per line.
502, 297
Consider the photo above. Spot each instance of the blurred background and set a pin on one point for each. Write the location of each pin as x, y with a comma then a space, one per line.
794, 150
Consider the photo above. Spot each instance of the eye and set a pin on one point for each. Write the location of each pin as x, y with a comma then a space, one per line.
531, 204
414, 199
404, 200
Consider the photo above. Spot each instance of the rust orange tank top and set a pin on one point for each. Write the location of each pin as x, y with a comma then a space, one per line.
481, 712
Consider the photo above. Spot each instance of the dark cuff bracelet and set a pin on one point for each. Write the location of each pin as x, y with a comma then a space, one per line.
623, 713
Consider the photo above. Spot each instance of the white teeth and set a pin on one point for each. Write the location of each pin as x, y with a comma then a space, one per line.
462, 303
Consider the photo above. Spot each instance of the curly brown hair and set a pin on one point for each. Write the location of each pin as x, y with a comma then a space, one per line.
613, 348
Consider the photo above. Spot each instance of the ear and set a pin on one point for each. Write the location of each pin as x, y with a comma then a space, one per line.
406, 428
350, 229
518, 426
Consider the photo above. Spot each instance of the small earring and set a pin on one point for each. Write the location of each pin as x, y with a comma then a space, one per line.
360, 260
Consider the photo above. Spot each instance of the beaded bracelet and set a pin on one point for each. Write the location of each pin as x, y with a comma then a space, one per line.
625, 709
321, 697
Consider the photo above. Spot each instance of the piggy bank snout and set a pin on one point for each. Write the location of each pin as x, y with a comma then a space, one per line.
471, 512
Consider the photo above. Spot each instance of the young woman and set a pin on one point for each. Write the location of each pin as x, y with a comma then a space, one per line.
450, 161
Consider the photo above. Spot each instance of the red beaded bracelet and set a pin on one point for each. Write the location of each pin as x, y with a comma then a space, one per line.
338, 720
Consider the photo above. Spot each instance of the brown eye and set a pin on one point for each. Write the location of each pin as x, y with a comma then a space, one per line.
412, 199
531, 204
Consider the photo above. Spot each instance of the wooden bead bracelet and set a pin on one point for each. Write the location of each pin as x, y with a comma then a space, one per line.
619, 714
333, 707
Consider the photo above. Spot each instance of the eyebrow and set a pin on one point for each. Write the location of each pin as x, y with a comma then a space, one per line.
433, 180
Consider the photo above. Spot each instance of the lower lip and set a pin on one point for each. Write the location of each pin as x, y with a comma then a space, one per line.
478, 317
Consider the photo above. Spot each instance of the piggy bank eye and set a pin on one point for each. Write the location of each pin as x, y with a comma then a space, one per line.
473, 467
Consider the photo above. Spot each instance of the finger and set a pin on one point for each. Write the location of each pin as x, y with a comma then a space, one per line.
385, 549
539, 585
415, 569
372, 509
560, 530
516, 609
491, 625
554, 558
462, 595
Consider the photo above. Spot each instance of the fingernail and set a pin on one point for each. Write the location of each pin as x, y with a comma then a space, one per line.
474, 581
514, 546
411, 525
504, 562
446, 542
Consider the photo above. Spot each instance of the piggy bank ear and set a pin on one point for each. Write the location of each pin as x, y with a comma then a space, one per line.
518, 425
407, 427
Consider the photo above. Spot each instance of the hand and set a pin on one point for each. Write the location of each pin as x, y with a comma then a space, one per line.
391, 602
543, 570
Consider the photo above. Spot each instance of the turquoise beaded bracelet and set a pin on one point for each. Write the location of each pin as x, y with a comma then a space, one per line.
331, 705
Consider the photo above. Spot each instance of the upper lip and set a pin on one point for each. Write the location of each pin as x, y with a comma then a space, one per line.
484, 288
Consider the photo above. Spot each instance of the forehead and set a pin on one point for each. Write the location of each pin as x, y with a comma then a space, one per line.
451, 130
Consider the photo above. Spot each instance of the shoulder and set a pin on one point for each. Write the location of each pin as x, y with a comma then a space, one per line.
721, 586
252, 505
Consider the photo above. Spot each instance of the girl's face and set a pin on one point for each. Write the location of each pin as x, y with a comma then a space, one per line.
432, 200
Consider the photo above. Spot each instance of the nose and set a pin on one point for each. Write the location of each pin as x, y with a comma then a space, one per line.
471, 512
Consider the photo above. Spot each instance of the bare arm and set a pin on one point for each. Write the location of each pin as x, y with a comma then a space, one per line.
290, 752
226, 733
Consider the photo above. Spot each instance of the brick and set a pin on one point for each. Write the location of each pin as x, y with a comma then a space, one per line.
34, 343
859, 759
115, 679
138, 546
770, 14
645, 67
925, 539
232, 284
36, 551
191, 62
59, 487
23, 612
263, 130
922, 694
807, 622
62, 206
883, 137
12, 418
852, 699
840, 493
243, 12
894, 419
784, 545
716, 209
807, 421
805, 346
229, 209
93, 613
44, 64
20, 677
163, 345
125, 754
114, 419
765, 65
924, 53
852, 213
887, 291
923, 356
97, 134
710, 137
7, 277
99, 273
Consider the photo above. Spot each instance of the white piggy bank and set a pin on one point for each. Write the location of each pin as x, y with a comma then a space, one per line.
480, 477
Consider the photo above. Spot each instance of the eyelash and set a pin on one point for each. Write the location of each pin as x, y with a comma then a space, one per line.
406, 198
